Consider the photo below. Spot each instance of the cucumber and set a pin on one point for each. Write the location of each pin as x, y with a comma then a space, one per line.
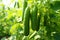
26, 21
34, 18
24, 7
18, 4
46, 19
38, 22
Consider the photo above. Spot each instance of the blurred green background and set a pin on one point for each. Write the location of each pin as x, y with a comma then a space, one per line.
11, 24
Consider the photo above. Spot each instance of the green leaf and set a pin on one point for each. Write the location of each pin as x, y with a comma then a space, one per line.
55, 5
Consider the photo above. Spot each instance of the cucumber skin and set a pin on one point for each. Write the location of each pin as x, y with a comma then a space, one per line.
38, 22
26, 21
45, 19
24, 7
34, 18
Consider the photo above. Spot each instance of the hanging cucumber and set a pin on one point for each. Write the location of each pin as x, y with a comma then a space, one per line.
38, 21
24, 7
18, 4
26, 21
46, 19
34, 17
14, 4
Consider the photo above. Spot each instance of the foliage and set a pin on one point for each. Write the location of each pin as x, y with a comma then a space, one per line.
11, 22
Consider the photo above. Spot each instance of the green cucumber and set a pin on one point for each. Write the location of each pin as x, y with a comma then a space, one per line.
38, 22
34, 17
26, 21
24, 7
46, 19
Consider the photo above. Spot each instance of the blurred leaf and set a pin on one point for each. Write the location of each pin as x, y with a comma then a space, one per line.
19, 12
15, 27
55, 5
57, 36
